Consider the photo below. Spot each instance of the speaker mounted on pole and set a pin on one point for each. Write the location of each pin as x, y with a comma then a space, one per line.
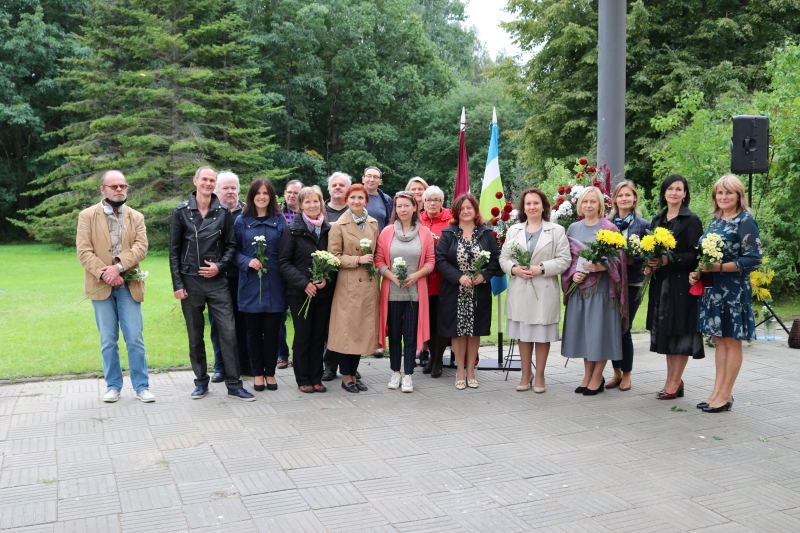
750, 147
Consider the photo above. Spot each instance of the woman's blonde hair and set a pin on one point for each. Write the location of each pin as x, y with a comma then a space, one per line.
618, 189
729, 182
599, 193
308, 191
418, 180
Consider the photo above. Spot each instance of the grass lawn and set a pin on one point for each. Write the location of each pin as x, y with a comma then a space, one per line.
48, 327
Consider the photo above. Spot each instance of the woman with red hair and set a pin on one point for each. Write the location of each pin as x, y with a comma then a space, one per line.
354, 316
465, 297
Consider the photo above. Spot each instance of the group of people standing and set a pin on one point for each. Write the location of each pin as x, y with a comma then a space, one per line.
417, 273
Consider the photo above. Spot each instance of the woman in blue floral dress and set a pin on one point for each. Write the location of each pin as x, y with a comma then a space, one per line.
724, 310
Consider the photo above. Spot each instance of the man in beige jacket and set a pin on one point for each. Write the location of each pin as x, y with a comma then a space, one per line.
112, 240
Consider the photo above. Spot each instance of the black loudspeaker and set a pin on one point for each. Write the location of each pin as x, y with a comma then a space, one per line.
750, 144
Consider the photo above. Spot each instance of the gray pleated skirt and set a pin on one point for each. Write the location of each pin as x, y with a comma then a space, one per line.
532, 332
592, 326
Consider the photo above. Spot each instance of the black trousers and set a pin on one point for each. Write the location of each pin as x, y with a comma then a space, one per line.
436, 344
626, 364
402, 322
214, 293
348, 363
262, 341
310, 334
241, 333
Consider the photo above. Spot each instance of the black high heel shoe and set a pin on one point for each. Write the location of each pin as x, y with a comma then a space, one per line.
702, 405
580, 390
726, 407
592, 392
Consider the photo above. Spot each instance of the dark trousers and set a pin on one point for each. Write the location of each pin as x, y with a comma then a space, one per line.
283, 348
436, 344
348, 363
214, 292
626, 364
241, 334
310, 334
331, 359
262, 330
403, 334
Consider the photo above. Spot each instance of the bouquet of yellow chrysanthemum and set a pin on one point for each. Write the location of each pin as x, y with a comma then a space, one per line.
711, 247
655, 245
760, 280
323, 264
608, 245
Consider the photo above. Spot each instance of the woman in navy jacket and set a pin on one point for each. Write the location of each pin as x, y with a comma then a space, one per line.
307, 234
626, 216
262, 299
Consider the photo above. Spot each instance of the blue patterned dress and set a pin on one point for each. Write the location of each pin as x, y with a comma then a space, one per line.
724, 309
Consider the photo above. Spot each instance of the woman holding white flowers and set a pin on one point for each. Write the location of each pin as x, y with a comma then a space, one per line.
308, 233
724, 311
465, 297
262, 290
535, 253
404, 258
628, 219
354, 315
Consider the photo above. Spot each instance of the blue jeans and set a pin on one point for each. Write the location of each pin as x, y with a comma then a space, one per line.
117, 311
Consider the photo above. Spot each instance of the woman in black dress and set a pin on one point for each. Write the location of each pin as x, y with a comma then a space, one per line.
672, 310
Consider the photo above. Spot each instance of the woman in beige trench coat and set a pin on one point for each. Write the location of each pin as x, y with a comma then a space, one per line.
533, 305
354, 316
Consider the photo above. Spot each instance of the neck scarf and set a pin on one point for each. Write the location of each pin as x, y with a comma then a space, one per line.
623, 223
617, 273
407, 237
314, 225
361, 221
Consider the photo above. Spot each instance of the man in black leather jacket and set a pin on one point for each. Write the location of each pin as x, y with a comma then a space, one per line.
201, 246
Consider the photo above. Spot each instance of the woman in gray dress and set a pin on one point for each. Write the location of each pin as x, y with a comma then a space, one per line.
594, 315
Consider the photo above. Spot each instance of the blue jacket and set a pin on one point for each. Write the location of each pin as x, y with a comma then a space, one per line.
638, 226
273, 286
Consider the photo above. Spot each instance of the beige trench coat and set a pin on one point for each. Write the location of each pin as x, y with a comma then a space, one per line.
354, 315
93, 243
552, 251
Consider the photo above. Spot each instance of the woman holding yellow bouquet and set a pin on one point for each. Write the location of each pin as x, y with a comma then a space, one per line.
596, 312
671, 309
628, 219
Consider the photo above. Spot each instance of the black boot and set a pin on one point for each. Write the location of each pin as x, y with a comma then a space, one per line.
329, 374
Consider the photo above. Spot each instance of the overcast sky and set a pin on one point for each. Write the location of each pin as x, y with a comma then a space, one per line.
486, 16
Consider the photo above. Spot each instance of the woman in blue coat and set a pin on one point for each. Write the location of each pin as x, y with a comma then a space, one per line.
262, 297
626, 216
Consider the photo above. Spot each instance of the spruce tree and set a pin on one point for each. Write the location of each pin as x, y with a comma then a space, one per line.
166, 90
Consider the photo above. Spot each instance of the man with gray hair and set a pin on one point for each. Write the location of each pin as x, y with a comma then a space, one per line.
227, 191
338, 183
112, 240
289, 208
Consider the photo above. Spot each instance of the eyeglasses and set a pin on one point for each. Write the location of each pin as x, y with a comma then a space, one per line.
434, 200
116, 187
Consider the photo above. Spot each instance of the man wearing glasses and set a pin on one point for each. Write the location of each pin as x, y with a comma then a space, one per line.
112, 240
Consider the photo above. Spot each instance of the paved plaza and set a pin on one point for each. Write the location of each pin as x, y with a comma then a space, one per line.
438, 459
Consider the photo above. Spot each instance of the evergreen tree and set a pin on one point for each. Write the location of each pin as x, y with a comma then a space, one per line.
167, 88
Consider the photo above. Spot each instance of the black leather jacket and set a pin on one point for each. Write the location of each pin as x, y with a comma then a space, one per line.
194, 239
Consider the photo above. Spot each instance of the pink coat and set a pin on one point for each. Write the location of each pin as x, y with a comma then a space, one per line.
382, 259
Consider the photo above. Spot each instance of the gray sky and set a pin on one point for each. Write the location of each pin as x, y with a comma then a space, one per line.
486, 16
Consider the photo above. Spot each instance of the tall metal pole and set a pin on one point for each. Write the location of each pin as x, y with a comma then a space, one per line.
611, 87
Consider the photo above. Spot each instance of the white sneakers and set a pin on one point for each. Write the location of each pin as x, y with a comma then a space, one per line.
145, 396
111, 396
407, 385
394, 383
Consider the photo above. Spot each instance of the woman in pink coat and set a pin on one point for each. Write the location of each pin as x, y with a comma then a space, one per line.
405, 249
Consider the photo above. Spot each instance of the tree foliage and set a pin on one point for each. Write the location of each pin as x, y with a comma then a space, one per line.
34, 34
166, 88
698, 146
712, 47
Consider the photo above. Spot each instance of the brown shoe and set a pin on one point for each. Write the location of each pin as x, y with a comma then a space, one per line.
283, 363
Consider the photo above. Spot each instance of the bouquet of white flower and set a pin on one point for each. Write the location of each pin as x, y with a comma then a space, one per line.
366, 249
480, 263
260, 245
400, 269
323, 263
